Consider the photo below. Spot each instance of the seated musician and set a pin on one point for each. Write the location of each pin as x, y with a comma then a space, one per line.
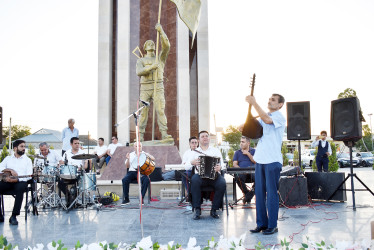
188, 157
132, 165
16, 165
197, 182
52, 158
68, 160
243, 158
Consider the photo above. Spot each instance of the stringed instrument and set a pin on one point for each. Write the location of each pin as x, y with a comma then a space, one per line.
252, 127
7, 176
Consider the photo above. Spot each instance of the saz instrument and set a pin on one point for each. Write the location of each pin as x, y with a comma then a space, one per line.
8, 177
252, 127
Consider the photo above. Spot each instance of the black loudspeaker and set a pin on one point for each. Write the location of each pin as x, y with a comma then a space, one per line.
322, 185
345, 122
293, 191
298, 120
156, 175
1, 125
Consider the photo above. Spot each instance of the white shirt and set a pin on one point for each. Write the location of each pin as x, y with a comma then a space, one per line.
52, 158
134, 161
323, 143
100, 150
22, 165
113, 147
189, 156
212, 151
72, 161
67, 134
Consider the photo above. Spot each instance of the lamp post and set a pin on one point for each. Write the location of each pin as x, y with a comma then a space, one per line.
371, 132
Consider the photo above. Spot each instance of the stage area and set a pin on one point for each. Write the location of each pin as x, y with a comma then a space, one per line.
165, 221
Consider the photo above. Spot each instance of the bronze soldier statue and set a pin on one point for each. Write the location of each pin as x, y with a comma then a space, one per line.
147, 69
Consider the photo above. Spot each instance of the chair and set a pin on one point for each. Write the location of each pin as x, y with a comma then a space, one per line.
30, 187
234, 183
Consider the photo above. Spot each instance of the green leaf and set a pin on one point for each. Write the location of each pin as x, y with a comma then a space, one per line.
179, 245
54, 243
156, 246
304, 245
5, 241
322, 243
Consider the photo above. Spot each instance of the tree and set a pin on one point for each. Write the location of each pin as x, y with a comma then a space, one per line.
18, 131
333, 159
4, 153
365, 143
296, 158
31, 152
348, 92
232, 136
284, 152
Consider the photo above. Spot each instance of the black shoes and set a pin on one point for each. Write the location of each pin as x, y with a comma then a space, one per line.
13, 220
258, 229
270, 231
125, 202
197, 214
214, 214
248, 197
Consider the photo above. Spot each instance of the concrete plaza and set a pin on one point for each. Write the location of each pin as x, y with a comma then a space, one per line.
165, 221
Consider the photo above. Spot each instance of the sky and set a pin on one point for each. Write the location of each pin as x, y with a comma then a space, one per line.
304, 50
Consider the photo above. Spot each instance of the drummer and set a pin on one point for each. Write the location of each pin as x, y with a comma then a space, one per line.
68, 160
75, 150
132, 163
47, 157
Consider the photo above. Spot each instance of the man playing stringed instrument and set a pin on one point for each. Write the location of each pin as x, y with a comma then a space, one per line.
14, 167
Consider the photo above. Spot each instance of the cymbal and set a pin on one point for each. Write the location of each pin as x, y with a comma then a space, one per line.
39, 157
83, 157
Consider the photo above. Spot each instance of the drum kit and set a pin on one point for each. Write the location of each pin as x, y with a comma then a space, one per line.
82, 184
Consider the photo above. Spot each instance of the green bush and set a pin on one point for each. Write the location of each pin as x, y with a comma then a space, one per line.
4, 153
284, 152
333, 159
31, 152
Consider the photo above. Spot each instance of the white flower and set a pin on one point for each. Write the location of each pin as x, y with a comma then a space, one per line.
96, 246
171, 243
191, 242
145, 243
50, 247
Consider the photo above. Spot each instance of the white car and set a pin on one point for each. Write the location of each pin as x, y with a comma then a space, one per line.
308, 157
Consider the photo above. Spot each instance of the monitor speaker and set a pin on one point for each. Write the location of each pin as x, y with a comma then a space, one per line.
293, 191
322, 185
345, 122
298, 120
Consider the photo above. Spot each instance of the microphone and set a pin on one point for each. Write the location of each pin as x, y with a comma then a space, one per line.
145, 103
66, 160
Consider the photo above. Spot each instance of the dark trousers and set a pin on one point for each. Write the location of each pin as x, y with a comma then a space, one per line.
267, 200
218, 184
131, 176
322, 162
18, 189
186, 182
63, 152
70, 195
242, 179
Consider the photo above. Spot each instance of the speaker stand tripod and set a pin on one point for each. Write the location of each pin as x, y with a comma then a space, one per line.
350, 144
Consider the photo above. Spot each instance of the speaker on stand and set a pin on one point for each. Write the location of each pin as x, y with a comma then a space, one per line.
345, 124
298, 123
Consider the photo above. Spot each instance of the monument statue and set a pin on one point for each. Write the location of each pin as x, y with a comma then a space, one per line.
152, 88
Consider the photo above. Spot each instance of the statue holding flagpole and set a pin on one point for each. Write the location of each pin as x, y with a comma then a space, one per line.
151, 71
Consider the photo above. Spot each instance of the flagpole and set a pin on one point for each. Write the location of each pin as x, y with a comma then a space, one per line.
156, 73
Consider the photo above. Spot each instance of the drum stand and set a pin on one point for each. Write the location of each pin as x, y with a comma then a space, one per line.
84, 194
49, 196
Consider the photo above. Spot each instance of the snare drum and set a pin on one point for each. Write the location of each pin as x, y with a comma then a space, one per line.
87, 182
48, 174
69, 172
146, 164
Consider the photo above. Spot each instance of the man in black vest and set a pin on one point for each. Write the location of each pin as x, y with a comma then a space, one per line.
324, 151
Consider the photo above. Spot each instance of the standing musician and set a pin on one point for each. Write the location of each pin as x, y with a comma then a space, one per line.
269, 163
17, 165
197, 182
52, 158
132, 173
324, 151
68, 160
67, 133
243, 158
